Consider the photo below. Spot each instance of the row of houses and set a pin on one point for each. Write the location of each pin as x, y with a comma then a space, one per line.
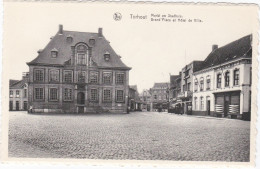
218, 86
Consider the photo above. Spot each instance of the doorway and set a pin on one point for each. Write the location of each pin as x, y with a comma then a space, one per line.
25, 105
208, 107
81, 98
11, 105
17, 105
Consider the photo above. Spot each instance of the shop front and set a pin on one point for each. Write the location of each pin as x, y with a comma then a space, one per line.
227, 104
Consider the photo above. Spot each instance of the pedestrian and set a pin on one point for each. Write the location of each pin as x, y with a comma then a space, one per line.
30, 109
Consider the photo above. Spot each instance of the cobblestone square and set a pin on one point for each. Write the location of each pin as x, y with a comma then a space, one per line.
138, 135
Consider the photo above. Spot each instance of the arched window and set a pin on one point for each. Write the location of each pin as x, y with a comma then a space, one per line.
201, 84
219, 80
208, 82
82, 54
195, 85
227, 78
236, 77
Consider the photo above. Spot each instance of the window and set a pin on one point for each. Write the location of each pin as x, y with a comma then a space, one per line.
81, 77
11, 93
227, 77
155, 96
236, 77
196, 85
107, 57
93, 77
93, 95
54, 76
17, 93
107, 95
195, 103
120, 77
208, 82
201, 103
67, 94
81, 59
39, 94
68, 76
107, 77
38, 75
201, 84
24, 93
119, 95
53, 93
54, 54
219, 81
184, 88
189, 85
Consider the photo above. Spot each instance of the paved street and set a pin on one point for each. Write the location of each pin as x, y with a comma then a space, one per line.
139, 135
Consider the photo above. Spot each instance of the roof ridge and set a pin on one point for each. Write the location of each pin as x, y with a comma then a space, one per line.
79, 32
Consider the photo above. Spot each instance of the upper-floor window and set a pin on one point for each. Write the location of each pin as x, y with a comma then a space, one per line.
107, 95
119, 95
11, 94
208, 82
107, 77
81, 76
155, 96
54, 76
107, 56
17, 93
54, 53
81, 59
236, 77
184, 88
24, 93
201, 84
219, 81
120, 78
227, 79
39, 75
68, 78
195, 85
189, 86
93, 77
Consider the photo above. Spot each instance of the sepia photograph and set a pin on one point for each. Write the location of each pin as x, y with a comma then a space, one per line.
122, 81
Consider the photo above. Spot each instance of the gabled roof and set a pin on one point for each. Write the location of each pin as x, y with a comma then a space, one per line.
59, 43
161, 85
240, 48
19, 84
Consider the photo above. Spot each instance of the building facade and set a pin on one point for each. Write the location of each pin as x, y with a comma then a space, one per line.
186, 86
135, 101
160, 96
78, 72
18, 94
223, 85
145, 97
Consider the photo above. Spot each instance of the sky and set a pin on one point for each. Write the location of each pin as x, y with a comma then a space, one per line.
154, 49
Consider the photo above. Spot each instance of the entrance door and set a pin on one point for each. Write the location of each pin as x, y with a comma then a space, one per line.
226, 105
81, 109
208, 107
25, 105
81, 98
17, 105
11, 105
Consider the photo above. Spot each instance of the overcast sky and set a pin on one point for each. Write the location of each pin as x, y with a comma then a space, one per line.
153, 49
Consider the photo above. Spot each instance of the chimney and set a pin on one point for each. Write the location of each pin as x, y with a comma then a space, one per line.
100, 32
214, 47
60, 29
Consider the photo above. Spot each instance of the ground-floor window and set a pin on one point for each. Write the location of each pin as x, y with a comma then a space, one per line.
25, 105
67, 94
195, 103
17, 105
119, 95
39, 93
93, 95
201, 103
107, 96
10, 105
53, 94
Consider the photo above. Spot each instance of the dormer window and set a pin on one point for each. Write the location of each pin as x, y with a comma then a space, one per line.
107, 56
69, 39
92, 41
54, 53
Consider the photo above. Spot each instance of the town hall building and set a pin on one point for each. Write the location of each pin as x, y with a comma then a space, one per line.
78, 72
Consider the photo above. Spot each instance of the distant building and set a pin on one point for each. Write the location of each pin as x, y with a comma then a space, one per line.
78, 72
145, 97
160, 96
18, 93
134, 99
222, 86
186, 86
